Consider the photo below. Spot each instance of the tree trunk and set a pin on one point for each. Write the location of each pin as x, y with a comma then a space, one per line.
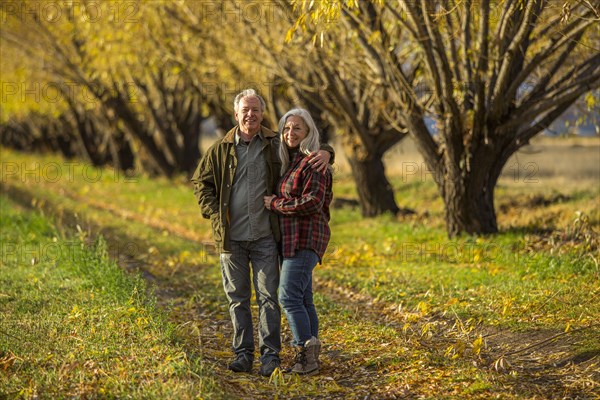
469, 208
188, 118
469, 195
123, 157
375, 193
155, 162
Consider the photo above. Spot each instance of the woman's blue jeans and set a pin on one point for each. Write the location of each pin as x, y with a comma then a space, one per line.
296, 295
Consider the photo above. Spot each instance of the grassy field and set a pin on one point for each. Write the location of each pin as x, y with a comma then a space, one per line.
74, 324
405, 311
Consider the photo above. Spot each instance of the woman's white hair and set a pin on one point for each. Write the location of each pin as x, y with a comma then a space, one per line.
310, 143
248, 93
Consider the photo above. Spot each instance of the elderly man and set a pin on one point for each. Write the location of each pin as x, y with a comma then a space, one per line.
229, 184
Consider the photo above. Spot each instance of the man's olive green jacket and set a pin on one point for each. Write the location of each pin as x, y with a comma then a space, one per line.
214, 176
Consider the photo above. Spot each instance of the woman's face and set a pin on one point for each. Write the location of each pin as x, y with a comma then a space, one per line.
294, 131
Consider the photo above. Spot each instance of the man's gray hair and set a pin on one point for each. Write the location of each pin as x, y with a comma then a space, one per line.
248, 93
310, 143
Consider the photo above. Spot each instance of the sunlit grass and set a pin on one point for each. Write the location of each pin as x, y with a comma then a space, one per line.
396, 263
404, 309
75, 325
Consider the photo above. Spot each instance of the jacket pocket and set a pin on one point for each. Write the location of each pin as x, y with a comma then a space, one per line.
216, 227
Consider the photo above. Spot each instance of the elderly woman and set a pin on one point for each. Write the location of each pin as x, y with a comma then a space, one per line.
302, 202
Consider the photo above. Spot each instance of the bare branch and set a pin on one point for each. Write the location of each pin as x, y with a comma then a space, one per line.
479, 111
571, 35
514, 54
357, 26
583, 81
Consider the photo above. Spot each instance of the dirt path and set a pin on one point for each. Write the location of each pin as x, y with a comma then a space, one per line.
196, 305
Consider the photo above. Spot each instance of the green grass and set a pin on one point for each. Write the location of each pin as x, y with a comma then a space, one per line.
392, 262
404, 310
74, 324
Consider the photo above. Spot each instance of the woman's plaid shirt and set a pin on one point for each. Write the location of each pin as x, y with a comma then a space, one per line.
303, 198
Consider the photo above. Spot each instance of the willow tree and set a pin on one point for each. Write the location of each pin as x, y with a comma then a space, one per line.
337, 90
127, 74
48, 41
493, 74
220, 67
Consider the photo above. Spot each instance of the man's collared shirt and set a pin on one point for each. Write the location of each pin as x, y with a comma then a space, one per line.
249, 217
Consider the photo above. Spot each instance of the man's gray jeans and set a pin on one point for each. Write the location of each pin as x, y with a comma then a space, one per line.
235, 267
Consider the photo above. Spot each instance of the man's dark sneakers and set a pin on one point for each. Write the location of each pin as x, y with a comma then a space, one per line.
242, 363
267, 368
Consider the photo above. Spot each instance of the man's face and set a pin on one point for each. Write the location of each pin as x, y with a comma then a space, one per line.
249, 115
